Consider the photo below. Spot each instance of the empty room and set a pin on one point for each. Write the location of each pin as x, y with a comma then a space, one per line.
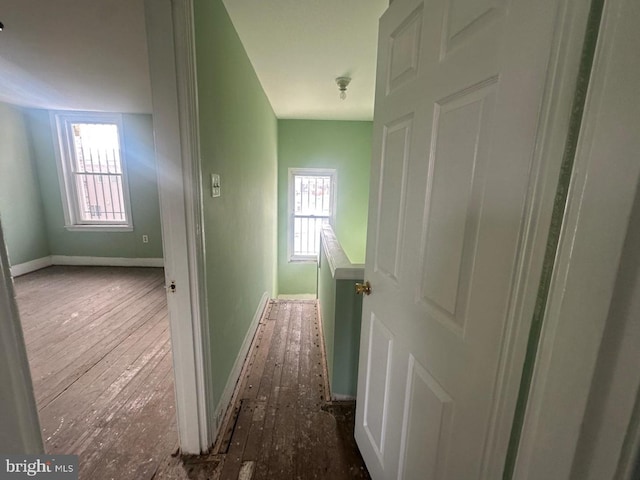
320, 239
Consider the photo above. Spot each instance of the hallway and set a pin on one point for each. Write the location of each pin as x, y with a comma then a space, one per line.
281, 426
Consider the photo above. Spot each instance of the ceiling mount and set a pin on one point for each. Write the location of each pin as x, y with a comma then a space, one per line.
343, 83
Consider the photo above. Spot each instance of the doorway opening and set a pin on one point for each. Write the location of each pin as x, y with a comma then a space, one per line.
99, 351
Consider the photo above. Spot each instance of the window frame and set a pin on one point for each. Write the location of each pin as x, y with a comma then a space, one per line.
61, 124
297, 171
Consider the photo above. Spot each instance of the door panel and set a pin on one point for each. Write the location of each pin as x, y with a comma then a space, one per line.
405, 51
426, 425
454, 199
377, 386
463, 19
459, 88
393, 191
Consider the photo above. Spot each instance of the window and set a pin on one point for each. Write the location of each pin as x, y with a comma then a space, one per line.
312, 194
92, 170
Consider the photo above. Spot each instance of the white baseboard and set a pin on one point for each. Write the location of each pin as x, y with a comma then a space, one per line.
30, 266
298, 296
338, 397
106, 261
38, 263
234, 376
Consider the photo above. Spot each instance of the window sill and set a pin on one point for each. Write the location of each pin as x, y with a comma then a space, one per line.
99, 228
309, 260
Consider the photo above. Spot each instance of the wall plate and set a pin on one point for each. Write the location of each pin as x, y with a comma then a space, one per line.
215, 185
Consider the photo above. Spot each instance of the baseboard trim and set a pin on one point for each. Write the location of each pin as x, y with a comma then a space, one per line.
234, 376
30, 266
106, 261
39, 263
325, 365
339, 397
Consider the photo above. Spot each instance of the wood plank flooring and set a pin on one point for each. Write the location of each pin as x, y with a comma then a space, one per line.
99, 350
281, 426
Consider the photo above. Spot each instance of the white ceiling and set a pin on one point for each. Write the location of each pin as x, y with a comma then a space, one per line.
74, 54
299, 47
92, 54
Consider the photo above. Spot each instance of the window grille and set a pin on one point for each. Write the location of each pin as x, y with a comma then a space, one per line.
312, 196
98, 172
93, 174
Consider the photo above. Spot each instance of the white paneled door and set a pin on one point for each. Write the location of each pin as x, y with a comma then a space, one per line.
460, 87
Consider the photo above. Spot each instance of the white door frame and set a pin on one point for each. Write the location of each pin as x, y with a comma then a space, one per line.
21, 427
175, 123
605, 177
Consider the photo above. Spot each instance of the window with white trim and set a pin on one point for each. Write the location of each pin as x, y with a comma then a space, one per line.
92, 170
312, 196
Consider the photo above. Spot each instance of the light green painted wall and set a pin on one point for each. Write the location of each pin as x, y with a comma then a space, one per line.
347, 338
238, 139
20, 202
145, 210
341, 311
345, 146
327, 304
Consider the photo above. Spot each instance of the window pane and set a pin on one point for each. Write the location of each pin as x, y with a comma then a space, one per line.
312, 195
100, 197
96, 147
306, 235
98, 172
312, 208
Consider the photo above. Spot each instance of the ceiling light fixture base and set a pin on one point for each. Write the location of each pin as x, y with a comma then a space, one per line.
343, 83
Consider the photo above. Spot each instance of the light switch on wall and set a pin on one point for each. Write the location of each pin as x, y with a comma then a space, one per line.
215, 185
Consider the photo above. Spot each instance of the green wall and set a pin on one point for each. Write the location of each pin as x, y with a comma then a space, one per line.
21, 208
341, 311
238, 139
347, 338
145, 210
345, 146
327, 305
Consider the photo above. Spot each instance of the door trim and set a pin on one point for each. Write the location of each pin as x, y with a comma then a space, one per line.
170, 40
19, 404
553, 127
602, 191
190, 134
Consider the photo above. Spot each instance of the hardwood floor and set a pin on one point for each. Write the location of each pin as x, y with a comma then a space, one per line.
281, 426
99, 350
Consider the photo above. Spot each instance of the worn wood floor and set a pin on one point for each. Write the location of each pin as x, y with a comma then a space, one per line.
99, 350
281, 426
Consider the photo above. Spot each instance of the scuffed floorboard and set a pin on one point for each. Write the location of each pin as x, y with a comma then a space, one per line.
100, 356
281, 427
99, 350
